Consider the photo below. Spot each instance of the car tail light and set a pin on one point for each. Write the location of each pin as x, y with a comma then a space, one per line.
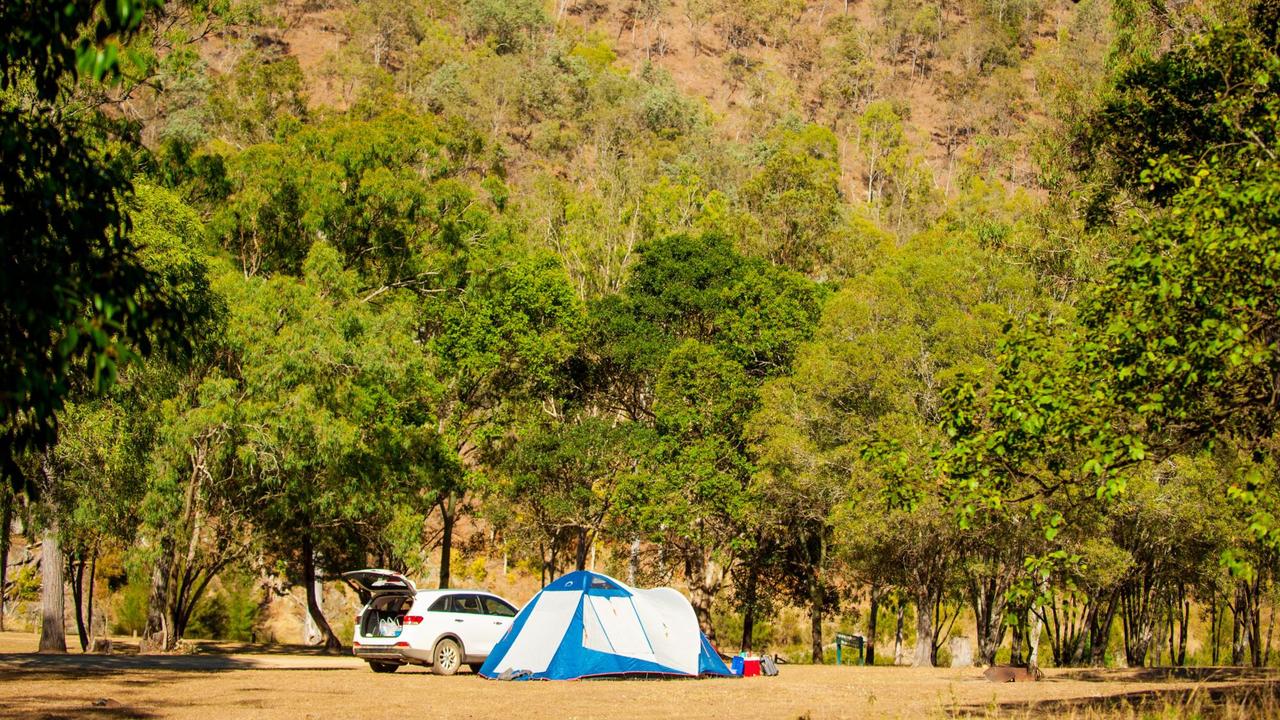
402, 644
411, 620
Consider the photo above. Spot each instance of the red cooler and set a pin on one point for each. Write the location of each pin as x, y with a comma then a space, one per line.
751, 667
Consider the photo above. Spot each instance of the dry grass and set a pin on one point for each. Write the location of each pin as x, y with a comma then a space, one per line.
224, 682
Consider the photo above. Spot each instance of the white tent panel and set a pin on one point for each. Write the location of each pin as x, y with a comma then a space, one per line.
672, 628
593, 634
623, 634
540, 637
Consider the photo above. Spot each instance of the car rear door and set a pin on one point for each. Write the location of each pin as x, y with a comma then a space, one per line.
468, 618
377, 587
375, 581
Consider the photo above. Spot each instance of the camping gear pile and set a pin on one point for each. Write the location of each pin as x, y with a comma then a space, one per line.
748, 665
586, 624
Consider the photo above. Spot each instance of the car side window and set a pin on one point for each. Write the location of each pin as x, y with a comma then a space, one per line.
494, 606
441, 604
467, 604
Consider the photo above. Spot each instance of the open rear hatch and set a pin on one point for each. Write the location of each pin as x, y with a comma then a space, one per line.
369, 583
387, 597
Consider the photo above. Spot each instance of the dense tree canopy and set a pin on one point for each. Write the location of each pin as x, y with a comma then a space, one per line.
828, 315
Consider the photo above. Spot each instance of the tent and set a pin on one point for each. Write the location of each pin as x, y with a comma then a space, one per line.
587, 625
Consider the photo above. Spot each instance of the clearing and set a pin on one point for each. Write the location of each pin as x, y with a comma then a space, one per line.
224, 681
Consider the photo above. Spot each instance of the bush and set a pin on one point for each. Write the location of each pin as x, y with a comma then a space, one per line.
242, 608
508, 26
210, 618
130, 614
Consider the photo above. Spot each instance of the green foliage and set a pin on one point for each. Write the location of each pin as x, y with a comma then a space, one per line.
229, 613
129, 615
565, 479
499, 266
26, 584
508, 26
84, 38
359, 184
78, 302
263, 99
1177, 345
210, 619
794, 199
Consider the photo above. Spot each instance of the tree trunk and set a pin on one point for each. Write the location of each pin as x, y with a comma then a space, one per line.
988, 610
633, 562
1237, 641
447, 507
1015, 640
157, 635
1033, 643
77, 597
1255, 623
6, 521
897, 632
584, 545
1215, 626
93, 574
331, 641
1100, 633
704, 579
815, 623
817, 600
53, 634
1183, 622
924, 630
872, 620
1239, 613
1037, 627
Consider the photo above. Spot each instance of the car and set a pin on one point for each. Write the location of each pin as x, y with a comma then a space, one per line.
441, 629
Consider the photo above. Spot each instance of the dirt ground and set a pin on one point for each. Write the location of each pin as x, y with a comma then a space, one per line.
223, 682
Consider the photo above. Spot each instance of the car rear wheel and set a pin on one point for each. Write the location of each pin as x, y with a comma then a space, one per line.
381, 667
447, 658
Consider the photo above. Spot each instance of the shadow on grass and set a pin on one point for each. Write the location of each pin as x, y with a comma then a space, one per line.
37, 707
14, 666
1257, 696
209, 647
1165, 674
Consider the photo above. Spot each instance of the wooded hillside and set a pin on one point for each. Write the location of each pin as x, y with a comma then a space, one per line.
915, 318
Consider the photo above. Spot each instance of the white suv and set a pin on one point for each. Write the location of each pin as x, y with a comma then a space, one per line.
443, 629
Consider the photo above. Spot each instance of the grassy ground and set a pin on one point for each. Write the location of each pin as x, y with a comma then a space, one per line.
223, 682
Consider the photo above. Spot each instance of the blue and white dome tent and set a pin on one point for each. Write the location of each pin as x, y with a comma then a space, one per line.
589, 625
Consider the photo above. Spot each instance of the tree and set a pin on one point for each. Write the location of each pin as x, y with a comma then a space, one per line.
685, 348
508, 26
77, 299
794, 200
849, 434
1178, 346
565, 481
334, 414
499, 344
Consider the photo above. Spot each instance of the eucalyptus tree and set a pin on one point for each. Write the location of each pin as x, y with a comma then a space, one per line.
564, 481
1177, 347
77, 298
496, 347
332, 409
684, 349
852, 430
